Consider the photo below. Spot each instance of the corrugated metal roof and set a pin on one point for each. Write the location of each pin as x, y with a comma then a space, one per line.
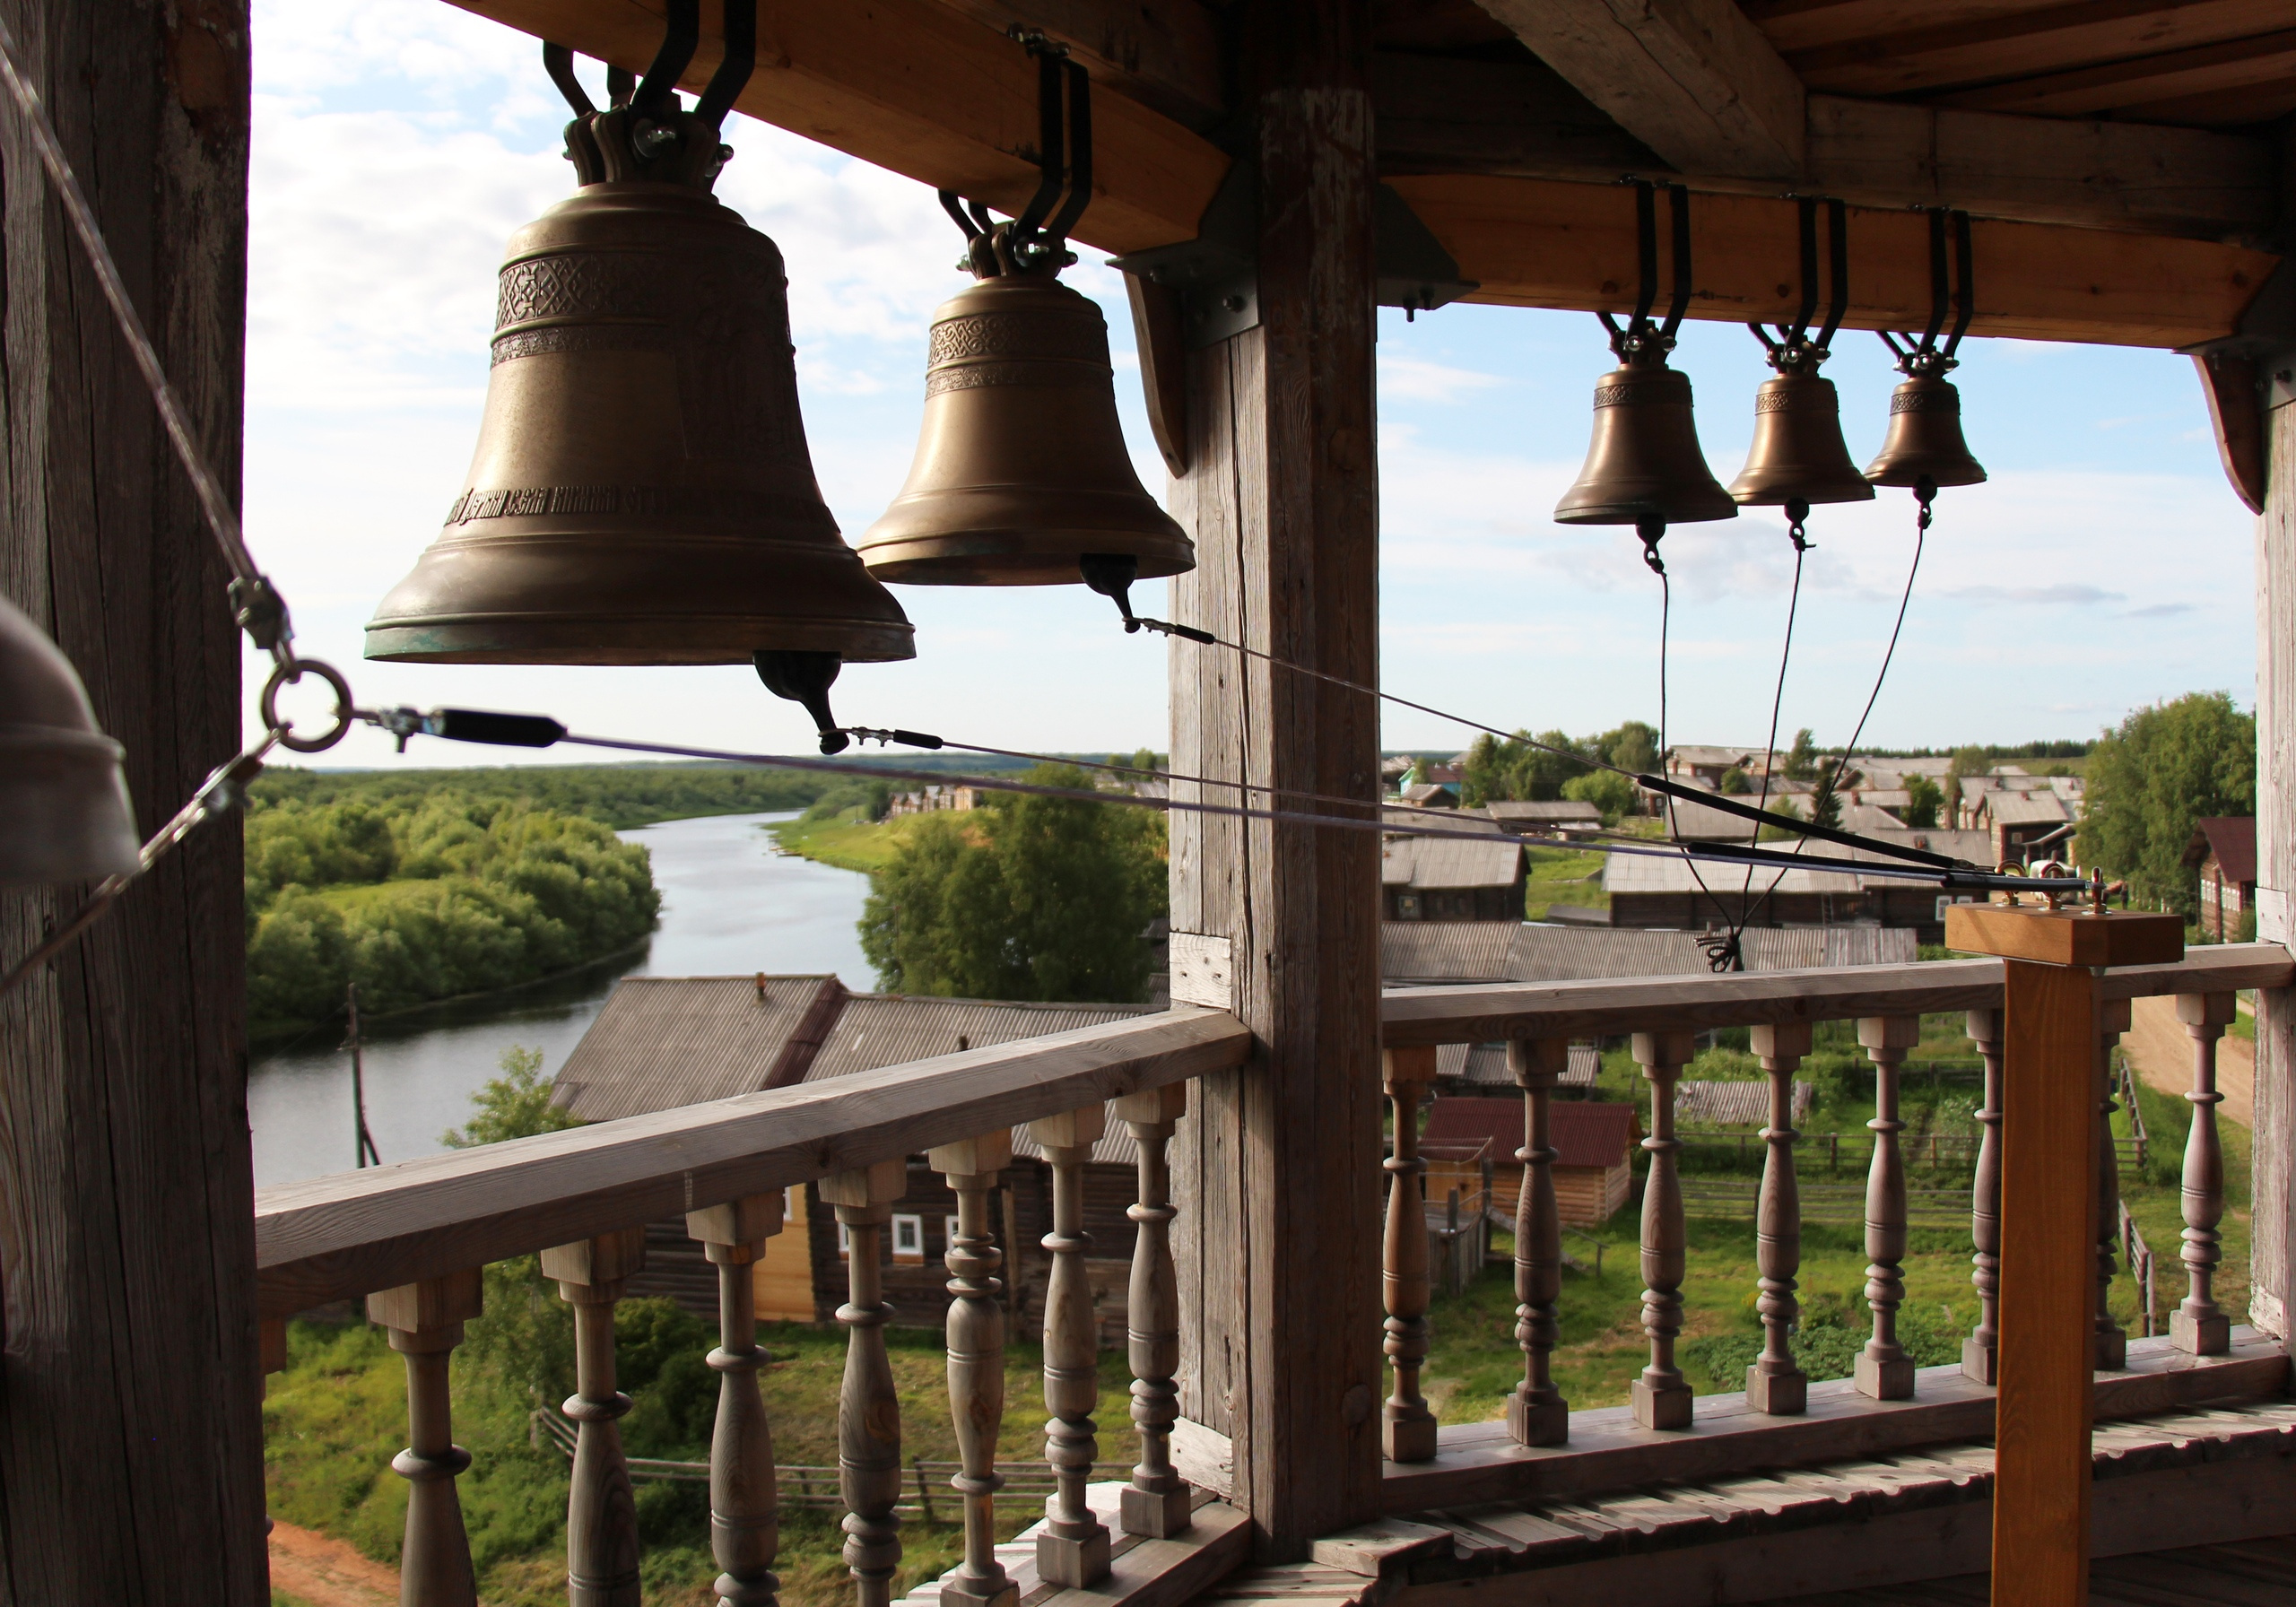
1589, 954
2231, 838
1544, 811
1656, 873
1586, 1132
1487, 1063
1701, 822
2027, 809
1736, 1104
667, 1041
1445, 950
1439, 862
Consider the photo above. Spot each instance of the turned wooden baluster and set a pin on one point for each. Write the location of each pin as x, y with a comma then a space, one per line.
2198, 1325
2113, 1018
425, 1321
1407, 1430
868, 1410
1885, 1371
1774, 1383
972, 1168
1662, 1397
1157, 1502
1073, 1547
1981, 1351
744, 1508
601, 1511
1537, 1412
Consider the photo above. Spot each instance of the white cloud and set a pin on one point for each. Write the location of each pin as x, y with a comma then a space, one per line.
1412, 378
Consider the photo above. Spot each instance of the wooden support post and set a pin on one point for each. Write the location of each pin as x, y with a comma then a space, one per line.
2271, 1247
744, 1508
1980, 1352
131, 1445
1158, 1502
1537, 1412
601, 1510
1276, 1173
1073, 1547
2113, 1018
1775, 1383
972, 1168
1407, 1432
1662, 1396
868, 1409
2052, 1013
1885, 1371
425, 1321
2199, 1325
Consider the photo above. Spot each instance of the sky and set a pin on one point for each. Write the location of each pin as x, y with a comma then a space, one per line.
2105, 565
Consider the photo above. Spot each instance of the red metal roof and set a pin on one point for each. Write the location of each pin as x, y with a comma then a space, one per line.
1587, 1133
2231, 838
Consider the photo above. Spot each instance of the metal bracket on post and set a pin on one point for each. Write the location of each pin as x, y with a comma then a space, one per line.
1414, 271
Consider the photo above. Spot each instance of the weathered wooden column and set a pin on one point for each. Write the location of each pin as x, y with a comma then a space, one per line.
1662, 1396
1276, 1176
2199, 1325
1073, 1548
744, 1513
2272, 1288
130, 1453
2113, 1017
1157, 1502
972, 1167
1980, 1352
1885, 1371
1407, 1427
425, 1321
1775, 1383
868, 1408
1537, 1412
601, 1509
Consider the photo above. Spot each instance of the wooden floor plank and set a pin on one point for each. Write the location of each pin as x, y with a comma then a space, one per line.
2173, 1573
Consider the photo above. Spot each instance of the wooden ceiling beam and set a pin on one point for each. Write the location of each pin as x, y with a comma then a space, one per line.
2206, 69
917, 87
1544, 243
1943, 52
1165, 54
1693, 80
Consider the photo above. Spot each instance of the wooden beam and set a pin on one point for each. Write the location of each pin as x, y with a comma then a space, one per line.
2272, 1256
1537, 243
356, 1232
1691, 79
921, 89
1165, 54
1935, 52
131, 1443
2156, 75
1277, 1171
1487, 1014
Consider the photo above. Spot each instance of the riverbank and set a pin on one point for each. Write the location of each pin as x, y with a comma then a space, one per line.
863, 846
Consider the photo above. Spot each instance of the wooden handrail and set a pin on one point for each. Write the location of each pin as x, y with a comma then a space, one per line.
1491, 1012
331, 1237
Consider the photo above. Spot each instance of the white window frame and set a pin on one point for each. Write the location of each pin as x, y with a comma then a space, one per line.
909, 1237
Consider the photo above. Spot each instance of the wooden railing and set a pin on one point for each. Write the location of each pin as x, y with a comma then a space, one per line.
1662, 1017
412, 1238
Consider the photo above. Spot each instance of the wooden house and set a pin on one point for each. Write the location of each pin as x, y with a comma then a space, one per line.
663, 1042
1546, 817
2223, 849
1278, 170
1594, 1141
1452, 879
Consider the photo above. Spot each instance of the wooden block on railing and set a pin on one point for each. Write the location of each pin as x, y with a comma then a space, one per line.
980, 1156
880, 1183
1078, 1129
1157, 1106
604, 1262
749, 1221
431, 1305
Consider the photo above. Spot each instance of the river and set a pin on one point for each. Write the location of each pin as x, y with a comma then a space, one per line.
730, 906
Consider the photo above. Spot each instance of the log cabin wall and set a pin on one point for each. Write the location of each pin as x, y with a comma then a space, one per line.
130, 1438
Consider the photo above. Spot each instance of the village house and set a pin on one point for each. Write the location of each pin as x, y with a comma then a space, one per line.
1546, 817
1595, 1140
1688, 762
931, 799
2224, 848
1453, 879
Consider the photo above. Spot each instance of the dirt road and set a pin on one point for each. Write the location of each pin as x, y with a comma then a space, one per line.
314, 1570
2161, 1050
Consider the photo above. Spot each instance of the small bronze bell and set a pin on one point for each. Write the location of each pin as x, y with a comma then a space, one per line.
641, 493
1798, 455
1021, 470
1644, 464
1925, 442
62, 794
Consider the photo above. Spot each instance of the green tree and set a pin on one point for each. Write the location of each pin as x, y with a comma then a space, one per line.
1966, 762
1801, 762
1606, 790
1736, 782
1924, 799
1519, 769
515, 1105
1024, 897
1631, 746
2149, 780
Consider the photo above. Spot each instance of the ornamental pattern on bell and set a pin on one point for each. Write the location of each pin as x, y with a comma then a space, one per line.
1081, 337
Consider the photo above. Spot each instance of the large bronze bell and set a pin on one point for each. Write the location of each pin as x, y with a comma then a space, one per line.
63, 798
1644, 466
641, 493
1925, 442
1798, 455
1021, 471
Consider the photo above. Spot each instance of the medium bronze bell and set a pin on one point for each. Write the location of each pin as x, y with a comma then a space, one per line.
1021, 471
1924, 440
62, 794
641, 493
1644, 466
1798, 455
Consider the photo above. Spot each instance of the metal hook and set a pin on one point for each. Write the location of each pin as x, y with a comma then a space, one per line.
1965, 297
657, 96
1678, 211
733, 69
558, 61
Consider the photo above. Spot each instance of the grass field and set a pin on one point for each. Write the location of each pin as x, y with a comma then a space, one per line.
1563, 876
848, 844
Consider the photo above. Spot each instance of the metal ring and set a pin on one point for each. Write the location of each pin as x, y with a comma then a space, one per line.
287, 674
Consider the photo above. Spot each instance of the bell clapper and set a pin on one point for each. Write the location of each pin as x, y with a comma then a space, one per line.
1796, 512
804, 678
1649, 531
1111, 574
